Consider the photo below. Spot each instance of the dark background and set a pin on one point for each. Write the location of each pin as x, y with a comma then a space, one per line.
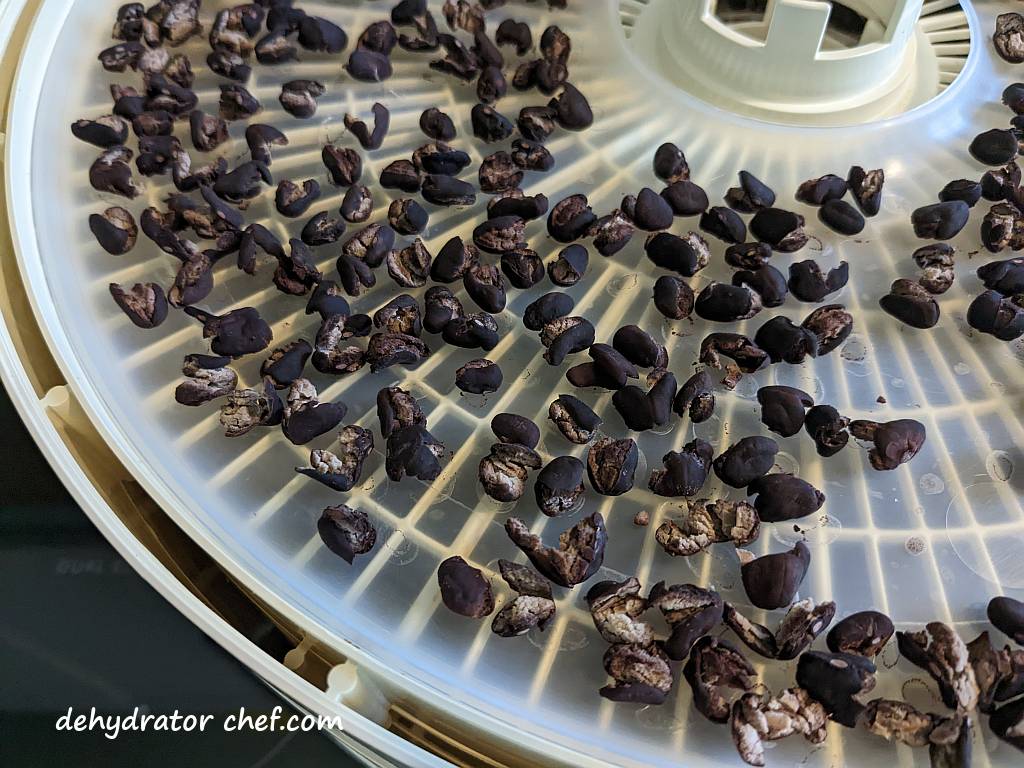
79, 628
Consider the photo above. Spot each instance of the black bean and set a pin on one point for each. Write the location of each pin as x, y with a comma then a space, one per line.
532, 157
651, 211
751, 195
784, 497
546, 309
696, 398
486, 287
346, 532
783, 409
611, 233
260, 138
894, 442
104, 132
936, 263
368, 66
748, 255
327, 300
472, 331
246, 409
400, 315
712, 666
569, 267
512, 428
864, 634
504, 471
994, 147
1000, 184
685, 198
578, 557
685, 472
559, 486
570, 109
396, 409
570, 219
321, 229
819, 191
833, 680
998, 315
841, 217
447, 191
784, 341
478, 377
275, 48
767, 282
293, 200
490, 125
437, 125
566, 336
236, 103
441, 306
501, 234
285, 363
536, 123
724, 224
771, 581
962, 189
725, 303
523, 267
673, 297
381, 123
808, 283
407, 217
634, 407
866, 188
738, 348
115, 230
144, 303
517, 33
331, 355
402, 175
782, 230
526, 207
238, 332
911, 303
298, 97
1001, 228
357, 205
1006, 277
440, 159
305, 417
639, 347
229, 64
586, 375
940, 221
111, 173
355, 274
453, 261
746, 461
491, 85
207, 377
161, 123
499, 174
685, 255
1007, 615
670, 164
611, 465
464, 589
575, 419
828, 429
343, 163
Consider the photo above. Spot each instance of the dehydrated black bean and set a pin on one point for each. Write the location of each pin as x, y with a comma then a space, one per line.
239, 332
737, 347
298, 97
570, 219
1007, 615
275, 48
230, 65
319, 34
578, 557
635, 407
472, 331
1007, 721
696, 398
440, 159
670, 164
639, 347
559, 486
515, 203
808, 283
517, 33
751, 195
1006, 277
748, 255
611, 465
401, 174
834, 680
684, 472
236, 103
407, 217
490, 125
396, 408
343, 163
747, 460
491, 85
322, 229
247, 409
111, 173
940, 221
771, 581
207, 377
243, 182
1009, 38
575, 419
464, 589
569, 267
381, 123
285, 363
724, 224
994, 147
725, 303
691, 611
828, 429
706, 523
296, 273
685, 255
412, 451
437, 125
260, 138
1003, 226
305, 417
532, 607
330, 354
531, 156
536, 123
504, 471
616, 608
499, 174
523, 267
863, 634
512, 428
368, 66
611, 233
998, 315
673, 297
782, 497
355, 275
547, 308
208, 131
447, 191
768, 282
895, 442
566, 336
387, 349
479, 377
453, 261
570, 109
115, 230
651, 212
293, 200
783, 409
940, 651
118, 58
346, 532
440, 307
486, 287
157, 153
866, 188
715, 665
819, 191
784, 341
685, 198
104, 132
841, 217
501, 234
782, 230
1000, 183
400, 315
961, 189
911, 303
936, 263
803, 622
357, 205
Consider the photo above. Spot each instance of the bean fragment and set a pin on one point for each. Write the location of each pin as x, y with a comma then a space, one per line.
684, 472
579, 555
863, 634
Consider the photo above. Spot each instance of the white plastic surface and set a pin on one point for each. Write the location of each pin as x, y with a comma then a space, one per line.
960, 498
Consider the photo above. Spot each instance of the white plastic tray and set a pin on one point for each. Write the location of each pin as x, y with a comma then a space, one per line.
241, 500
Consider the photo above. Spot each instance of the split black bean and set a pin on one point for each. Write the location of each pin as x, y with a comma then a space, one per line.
911, 303
410, 266
893, 443
685, 472
997, 315
724, 224
940, 221
863, 634
828, 428
808, 283
523, 267
782, 230
486, 287
566, 336
866, 188
115, 230
286, 363
546, 309
346, 532
578, 556
751, 195
569, 267
784, 341
472, 331
575, 419
322, 229
768, 282
453, 261
696, 398
412, 451
611, 465
298, 97
367, 138
570, 219
305, 417
440, 307
819, 191
387, 349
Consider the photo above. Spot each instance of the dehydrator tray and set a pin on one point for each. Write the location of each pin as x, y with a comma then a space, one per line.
931, 540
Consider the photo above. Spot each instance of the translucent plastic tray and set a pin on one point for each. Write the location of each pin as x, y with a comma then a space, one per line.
932, 540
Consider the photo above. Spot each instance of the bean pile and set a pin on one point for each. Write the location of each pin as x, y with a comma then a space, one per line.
204, 225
